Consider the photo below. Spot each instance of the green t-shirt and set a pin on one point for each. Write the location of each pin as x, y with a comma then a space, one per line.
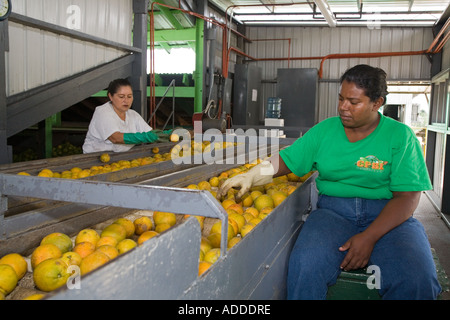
389, 159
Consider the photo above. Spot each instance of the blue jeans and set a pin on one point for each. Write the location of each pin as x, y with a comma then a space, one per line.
406, 267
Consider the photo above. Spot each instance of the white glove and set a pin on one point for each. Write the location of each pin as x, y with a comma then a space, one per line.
258, 175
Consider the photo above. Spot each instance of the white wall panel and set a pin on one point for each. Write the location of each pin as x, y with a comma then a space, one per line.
38, 57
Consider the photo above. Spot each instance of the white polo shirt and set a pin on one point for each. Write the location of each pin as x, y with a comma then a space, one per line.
105, 122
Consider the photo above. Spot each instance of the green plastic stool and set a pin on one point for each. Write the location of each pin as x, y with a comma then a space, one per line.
352, 285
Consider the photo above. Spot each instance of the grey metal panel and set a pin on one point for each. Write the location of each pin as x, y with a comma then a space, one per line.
247, 104
297, 89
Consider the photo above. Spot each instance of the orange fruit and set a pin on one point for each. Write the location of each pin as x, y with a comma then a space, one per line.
255, 221
50, 274
106, 240
306, 176
247, 200
127, 224
105, 158
174, 137
248, 216
87, 235
293, 177
234, 225
263, 201
192, 186
164, 217
255, 194
204, 185
278, 197
109, 250
61, 240
162, 227
214, 240
212, 255
126, 245
246, 229
146, 236
84, 249
142, 224
239, 219
253, 211
203, 266
236, 207
205, 245
44, 252
8, 279
114, 230
17, 262
217, 228
228, 202
155, 150
214, 182
93, 261
71, 258
233, 241
35, 296
264, 212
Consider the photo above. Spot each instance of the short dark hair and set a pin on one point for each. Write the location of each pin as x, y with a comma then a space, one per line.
116, 84
372, 80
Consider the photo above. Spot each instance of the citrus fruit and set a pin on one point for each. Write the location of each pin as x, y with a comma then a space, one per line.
142, 224
109, 250
255, 221
204, 185
228, 202
8, 279
71, 258
164, 217
248, 216
278, 197
146, 236
203, 266
126, 245
239, 219
45, 173
155, 150
236, 207
87, 235
233, 241
35, 296
255, 194
162, 227
174, 137
192, 186
84, 249
214, 239
214, 182
247, 200
44, 252
105, 158
263, 201
106, 240
217, 228
264, 212
246, 229
92, 262
17, 262
212, 255
205, 245
253, 211
61, 240
23, 173
50, 274
114, 230
127, 224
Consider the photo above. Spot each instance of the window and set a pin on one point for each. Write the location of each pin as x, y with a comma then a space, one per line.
179, 60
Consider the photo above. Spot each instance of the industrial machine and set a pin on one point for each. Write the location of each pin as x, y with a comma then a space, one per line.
165, 267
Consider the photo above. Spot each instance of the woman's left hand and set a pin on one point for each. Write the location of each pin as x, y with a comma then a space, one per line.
359, 248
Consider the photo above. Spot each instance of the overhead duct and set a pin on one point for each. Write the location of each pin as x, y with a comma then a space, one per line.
326, 12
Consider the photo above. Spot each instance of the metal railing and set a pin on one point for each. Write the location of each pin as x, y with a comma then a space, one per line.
172, 114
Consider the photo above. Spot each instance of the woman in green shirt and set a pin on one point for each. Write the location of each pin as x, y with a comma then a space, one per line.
371, 175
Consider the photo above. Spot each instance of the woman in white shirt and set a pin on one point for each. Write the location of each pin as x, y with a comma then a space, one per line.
115, 126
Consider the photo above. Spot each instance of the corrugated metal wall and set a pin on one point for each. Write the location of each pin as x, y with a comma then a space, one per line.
37, 57
318, 42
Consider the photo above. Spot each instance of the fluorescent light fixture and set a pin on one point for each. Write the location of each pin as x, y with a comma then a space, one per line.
326, 12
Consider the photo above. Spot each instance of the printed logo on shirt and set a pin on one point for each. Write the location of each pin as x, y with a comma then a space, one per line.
371, 163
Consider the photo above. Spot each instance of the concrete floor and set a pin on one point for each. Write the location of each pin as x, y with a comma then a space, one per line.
438, 233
